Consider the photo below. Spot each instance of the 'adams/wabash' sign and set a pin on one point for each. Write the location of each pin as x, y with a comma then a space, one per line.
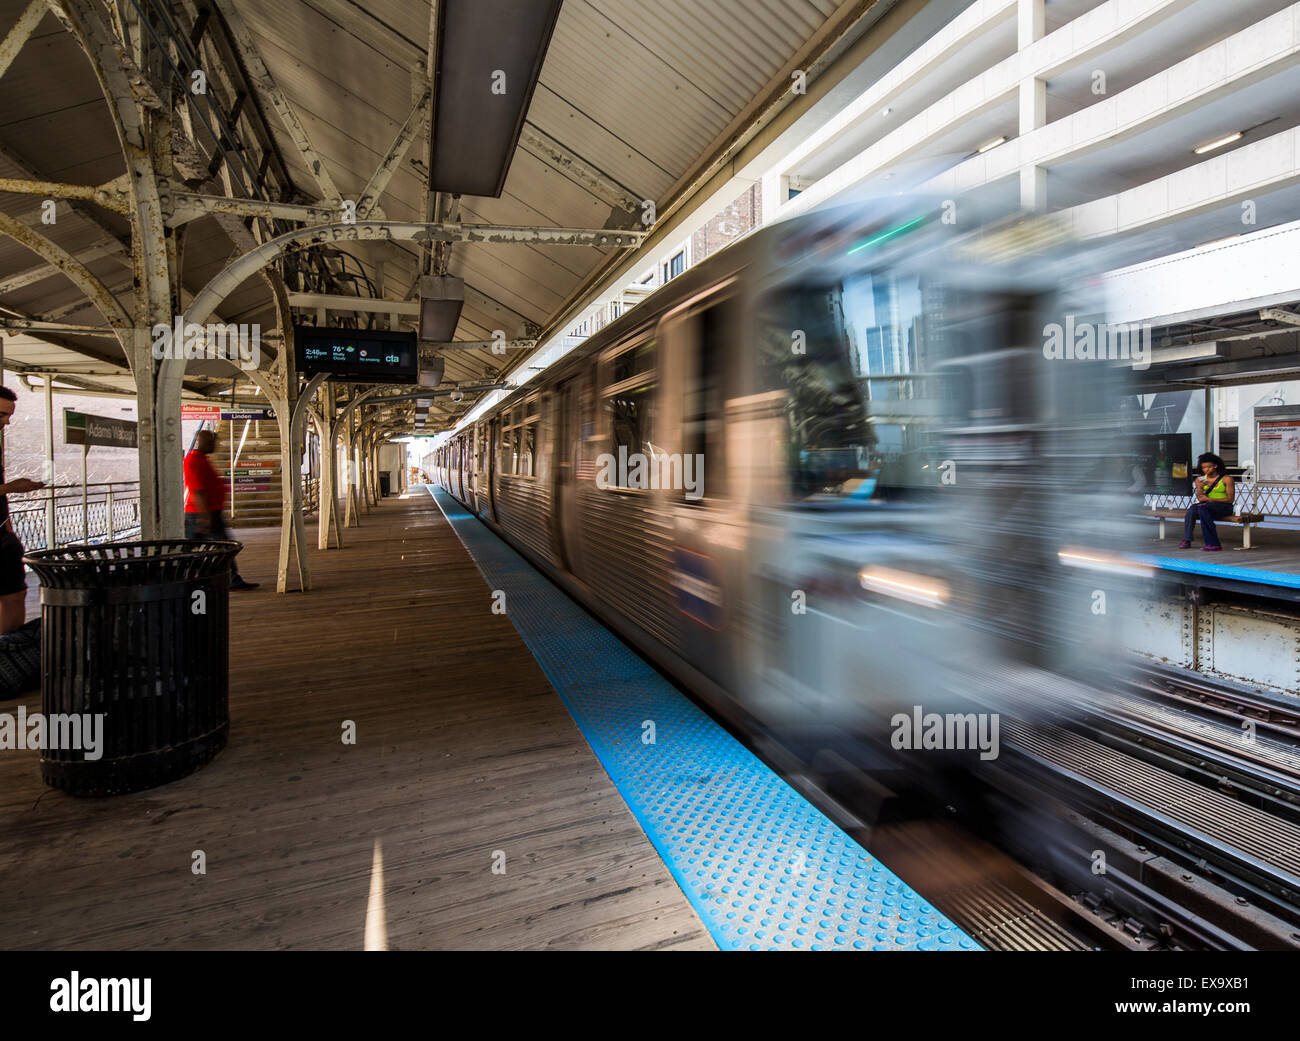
82, 429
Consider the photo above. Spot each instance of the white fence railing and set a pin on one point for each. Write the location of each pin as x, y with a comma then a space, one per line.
1272, 500
109, 511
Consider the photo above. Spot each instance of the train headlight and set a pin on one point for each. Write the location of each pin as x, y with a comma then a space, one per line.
904, 585
1100, 560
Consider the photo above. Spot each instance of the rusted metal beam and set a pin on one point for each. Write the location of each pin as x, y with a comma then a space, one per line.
595, 180
127, 94
378, 182
472, 345
32, 173
110, 199
266, 86
228, 79
65, 262
20, 33
189, 206
369, 304
42, 271
33, 325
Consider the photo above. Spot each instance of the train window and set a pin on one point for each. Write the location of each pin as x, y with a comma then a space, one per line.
846, 357
629, 401
633, 362
707, 334
520, 440
527, 445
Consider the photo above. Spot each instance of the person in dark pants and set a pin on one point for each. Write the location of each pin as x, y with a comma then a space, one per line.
13, 578
205, 495
1215, 494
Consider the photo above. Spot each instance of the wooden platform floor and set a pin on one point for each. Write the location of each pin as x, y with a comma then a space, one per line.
463, 750
1275, 549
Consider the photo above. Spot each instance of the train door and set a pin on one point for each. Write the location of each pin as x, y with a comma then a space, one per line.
709, 528
490, 458
564, 507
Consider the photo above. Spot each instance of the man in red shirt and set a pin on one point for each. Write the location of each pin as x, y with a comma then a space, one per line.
205, 495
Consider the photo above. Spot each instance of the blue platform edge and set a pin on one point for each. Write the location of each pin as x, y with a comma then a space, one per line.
1240, 574
763, 867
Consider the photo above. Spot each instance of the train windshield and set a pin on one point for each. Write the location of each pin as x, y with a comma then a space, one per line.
847, 358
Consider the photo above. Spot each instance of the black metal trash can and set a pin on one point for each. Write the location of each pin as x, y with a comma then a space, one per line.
136, 633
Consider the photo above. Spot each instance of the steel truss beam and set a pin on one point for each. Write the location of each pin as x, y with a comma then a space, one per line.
378, 182
595, 180
267, 88
20, 33
102, 195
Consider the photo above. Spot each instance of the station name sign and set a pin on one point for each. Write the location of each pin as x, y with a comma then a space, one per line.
213, 413
79, 428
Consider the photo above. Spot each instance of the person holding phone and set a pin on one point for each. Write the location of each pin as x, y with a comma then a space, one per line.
1215, 494
13, 576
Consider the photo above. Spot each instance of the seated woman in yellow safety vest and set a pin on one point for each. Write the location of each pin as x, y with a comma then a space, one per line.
1215, 493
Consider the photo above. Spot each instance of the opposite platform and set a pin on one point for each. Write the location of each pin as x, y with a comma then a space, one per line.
764, 868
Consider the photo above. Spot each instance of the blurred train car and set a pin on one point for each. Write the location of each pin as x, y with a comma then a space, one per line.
830, 475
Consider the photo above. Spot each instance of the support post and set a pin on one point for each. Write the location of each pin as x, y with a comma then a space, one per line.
48, 476
85, 498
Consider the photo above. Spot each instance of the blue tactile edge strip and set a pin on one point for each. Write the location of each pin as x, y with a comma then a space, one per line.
1240, 574
763, 868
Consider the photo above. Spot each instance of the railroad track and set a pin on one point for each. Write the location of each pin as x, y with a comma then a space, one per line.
1212, 817
1136, 819
1271, 714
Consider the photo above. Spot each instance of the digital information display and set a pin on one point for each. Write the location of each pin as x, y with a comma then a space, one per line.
357, 355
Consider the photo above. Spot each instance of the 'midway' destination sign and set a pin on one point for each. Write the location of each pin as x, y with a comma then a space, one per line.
82, 429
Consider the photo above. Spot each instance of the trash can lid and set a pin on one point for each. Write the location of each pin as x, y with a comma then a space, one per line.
131, 563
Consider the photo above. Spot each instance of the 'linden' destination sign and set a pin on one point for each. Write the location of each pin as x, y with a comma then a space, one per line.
82, 429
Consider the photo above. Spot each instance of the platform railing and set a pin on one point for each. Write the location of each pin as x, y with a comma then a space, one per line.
109, 511
1272, 500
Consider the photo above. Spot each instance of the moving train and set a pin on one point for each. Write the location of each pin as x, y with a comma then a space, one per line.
830, 475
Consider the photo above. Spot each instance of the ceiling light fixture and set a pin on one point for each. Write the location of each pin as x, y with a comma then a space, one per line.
1218, 142
990, 144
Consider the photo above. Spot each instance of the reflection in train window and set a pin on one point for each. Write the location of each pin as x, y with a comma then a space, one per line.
848, 358
707, 333
629, 398
633, 362
521, 440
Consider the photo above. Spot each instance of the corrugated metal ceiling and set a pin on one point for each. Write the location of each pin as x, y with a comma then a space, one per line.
642, 91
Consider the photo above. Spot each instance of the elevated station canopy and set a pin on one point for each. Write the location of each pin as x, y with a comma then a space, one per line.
606, 116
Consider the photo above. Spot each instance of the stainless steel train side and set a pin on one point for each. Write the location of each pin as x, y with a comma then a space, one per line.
826, 573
